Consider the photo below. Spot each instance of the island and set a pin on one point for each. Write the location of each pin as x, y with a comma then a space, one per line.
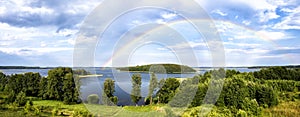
159, 68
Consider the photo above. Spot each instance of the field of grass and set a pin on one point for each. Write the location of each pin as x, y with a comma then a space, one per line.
284, 109
101, 110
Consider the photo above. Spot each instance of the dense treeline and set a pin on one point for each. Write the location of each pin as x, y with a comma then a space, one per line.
23, 67
278, 73
166, 68
58, 85
242, 93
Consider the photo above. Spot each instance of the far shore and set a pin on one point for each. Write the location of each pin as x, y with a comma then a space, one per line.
158, 73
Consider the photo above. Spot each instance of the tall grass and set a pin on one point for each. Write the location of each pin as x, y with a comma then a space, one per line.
284, 109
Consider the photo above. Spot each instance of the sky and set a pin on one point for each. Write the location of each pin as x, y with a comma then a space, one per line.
45, 32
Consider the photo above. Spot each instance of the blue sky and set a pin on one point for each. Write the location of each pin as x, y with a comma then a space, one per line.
44, 32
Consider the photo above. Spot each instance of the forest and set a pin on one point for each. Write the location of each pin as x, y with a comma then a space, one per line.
159, 68
273, 91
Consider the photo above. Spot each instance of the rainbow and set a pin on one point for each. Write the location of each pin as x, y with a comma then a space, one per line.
259, 36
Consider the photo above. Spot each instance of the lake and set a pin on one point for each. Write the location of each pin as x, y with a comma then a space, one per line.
122, 79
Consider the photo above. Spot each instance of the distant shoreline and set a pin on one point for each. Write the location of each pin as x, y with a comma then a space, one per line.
249, 67
24, 67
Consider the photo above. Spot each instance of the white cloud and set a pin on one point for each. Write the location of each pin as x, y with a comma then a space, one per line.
242, 45
270, 35
2, 10
292, 21
21, 33
166, 15
160, 21
32, 51
217, 11
67, 32
246, 22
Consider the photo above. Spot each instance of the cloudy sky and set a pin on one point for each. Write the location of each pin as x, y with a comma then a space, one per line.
44, 32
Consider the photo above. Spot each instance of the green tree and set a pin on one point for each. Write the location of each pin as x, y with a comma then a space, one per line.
43, 88
69, 89
168, 90
11, 96
55, 82
266, 96
136, 88
200, 94
152, 86
16, 83
234, 92
109, 89
31, 81
3, 81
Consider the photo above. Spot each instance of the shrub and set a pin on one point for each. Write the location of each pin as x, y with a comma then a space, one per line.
21, 99
266, 96
241, 113
93, 99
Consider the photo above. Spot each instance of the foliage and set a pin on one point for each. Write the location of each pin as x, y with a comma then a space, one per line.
185, 93
28, 107
109, 88
80, 72
93, 99
21, 99
69, 89
235, 91
3, 81
136, 88
200, 94
278, 73
152, 86
43, 88
168, 68
266, 96
11, 97
32, 83
284, 85
55, 82
168, 90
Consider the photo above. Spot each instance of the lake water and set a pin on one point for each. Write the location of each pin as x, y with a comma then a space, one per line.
122, 79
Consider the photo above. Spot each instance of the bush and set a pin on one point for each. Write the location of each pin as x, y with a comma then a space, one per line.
37, 111
241, 113
266, 96
54, 111
21, 99
93, 99
28, 107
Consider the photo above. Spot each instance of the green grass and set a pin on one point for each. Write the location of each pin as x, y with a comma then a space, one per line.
59, 104
130, 111
284, 109
102, 110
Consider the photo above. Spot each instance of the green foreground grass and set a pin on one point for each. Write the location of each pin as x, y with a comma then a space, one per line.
101, 110
284, 109
47, 107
